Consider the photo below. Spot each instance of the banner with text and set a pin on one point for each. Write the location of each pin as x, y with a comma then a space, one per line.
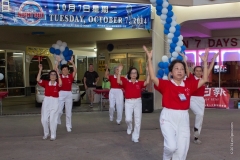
74, 13
216, 98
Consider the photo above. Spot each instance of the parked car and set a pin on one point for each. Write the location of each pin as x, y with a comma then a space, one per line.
39, 94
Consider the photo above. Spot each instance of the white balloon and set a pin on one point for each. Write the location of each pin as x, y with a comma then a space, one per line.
178, 49
1, 76
164, 58
174, 17
173, 58
62, 48
170, 35
154, 4
53, 45
64, 44
172, 29
169, 41
62, 56
180, 37
173, 23
175, 54
63, 62
163, 17
57, 46
164, 11
165, 4
153, 1
180, 43
59, 42
165, 77
163, 22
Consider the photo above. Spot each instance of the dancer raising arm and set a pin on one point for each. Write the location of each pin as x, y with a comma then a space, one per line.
133, 102
174, 118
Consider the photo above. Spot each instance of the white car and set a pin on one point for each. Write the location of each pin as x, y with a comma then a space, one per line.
39, 93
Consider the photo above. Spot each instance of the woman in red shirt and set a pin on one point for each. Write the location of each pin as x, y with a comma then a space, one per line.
197, 101
50, 102
133, 102
174, 118
115, 95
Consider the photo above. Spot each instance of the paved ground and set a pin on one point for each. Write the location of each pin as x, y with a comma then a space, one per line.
95, 138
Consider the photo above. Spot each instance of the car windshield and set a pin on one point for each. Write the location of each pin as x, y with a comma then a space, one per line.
45, 77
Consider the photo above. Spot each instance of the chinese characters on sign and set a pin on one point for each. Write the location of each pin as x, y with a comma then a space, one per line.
216, 98
79, 14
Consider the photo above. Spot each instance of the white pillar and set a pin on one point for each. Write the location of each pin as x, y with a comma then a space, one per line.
158, 52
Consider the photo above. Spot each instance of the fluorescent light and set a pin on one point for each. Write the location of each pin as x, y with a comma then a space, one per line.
18, 53
95, 49
109, 29
1, 50
16, 56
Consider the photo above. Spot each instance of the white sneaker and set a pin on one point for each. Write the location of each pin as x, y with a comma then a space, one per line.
45, 137
196, 134
197, 141
69, 129
129, 131
135, 140
52, 138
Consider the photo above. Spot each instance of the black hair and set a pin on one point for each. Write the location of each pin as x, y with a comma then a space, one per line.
197, 67
64, 66
129, 72
53, 71
170, 68
108, 70
90, 64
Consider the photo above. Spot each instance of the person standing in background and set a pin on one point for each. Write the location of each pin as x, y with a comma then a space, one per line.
91, 78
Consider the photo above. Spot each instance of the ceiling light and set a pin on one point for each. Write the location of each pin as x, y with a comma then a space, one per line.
18, 53
109, 29
95, 49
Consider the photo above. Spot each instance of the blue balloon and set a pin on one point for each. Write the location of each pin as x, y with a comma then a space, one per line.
170, 13
57, 52
167, 26
66, 49
178, 27
159, 8
183, 48
169, 60
171, 50
177, 34
159, 13
169, 7
70, 53
166, 64
158, 76
65, 53
175, 39
173, 45
159, 2
160, 72
166, 71
179, 58
161, 65
68, 58
166, 31
52, 50
169, 20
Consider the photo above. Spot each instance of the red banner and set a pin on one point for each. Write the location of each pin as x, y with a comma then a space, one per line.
216, 98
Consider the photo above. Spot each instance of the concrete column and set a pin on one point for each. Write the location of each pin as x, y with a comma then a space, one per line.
158, 52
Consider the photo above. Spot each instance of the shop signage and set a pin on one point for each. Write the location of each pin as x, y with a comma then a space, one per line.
74, 13
225, 42
216, 98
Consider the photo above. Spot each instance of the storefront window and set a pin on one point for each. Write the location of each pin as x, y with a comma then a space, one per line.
138, 61
82, 67
115, 60
3, 82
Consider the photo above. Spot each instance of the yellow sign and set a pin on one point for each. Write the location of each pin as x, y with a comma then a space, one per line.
36, 51
101, 65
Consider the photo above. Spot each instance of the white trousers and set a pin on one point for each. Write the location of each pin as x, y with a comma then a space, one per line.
116, 98
49, 114
134, 106
197, 105
174, 125
65, 97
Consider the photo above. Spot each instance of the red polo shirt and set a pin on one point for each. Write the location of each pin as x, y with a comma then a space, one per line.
113, 81
50, 90
132, 90
200, 91
170, 93
66, 82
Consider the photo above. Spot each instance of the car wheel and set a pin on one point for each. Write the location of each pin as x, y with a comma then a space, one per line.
38, 105
78, 103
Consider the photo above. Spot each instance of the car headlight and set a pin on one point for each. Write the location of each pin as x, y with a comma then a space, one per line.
75, 91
